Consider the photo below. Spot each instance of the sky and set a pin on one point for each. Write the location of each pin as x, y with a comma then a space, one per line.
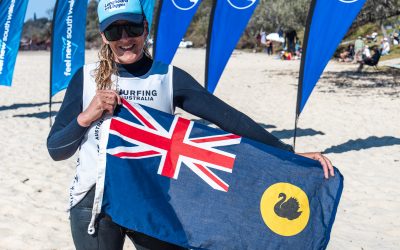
39, 7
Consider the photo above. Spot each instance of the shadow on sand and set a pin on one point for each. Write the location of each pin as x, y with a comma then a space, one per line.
288, 133
40, 115
385, 77
370, 142
25, 105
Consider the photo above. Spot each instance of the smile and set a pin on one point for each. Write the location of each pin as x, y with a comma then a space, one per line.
126, 48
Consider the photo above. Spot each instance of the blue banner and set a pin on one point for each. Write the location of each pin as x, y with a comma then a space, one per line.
229, 19
148, 9
203, 188
174, 17
68, 42
328, 22
12, 15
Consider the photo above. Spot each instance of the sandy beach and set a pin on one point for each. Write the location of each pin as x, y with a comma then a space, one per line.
353, 117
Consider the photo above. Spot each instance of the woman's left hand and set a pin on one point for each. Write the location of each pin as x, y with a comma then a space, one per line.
325, 162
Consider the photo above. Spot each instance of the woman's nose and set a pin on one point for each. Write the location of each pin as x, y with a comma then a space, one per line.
124, 34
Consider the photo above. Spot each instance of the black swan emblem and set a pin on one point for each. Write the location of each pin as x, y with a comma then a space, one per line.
287, 209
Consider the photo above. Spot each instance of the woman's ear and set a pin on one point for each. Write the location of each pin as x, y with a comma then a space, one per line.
104, 38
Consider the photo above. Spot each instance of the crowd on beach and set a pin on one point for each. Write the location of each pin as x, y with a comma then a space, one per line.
360, 50
365, 50
288, 43
368, 50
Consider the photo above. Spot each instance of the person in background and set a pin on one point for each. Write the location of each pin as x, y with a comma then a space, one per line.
298, 49
348, 54
358, 49
366, 53
385, 47
372, 60
270, 47
396, 38
290, 40
126, 70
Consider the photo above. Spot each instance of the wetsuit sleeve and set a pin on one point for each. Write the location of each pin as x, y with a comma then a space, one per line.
66, 134
190, 96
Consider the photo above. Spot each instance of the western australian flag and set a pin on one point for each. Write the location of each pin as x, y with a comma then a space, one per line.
203, 188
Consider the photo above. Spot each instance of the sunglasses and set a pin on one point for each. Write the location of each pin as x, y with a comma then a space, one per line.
114, 31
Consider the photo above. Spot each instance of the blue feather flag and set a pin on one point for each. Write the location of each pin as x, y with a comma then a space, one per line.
328, 22
12, 14
68, 42
229, 19
173, 19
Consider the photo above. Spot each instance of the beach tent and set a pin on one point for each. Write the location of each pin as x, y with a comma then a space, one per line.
275, 37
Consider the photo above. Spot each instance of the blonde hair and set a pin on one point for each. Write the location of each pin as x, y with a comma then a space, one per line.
108, 67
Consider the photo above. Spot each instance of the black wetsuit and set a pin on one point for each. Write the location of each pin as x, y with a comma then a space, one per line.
66, 134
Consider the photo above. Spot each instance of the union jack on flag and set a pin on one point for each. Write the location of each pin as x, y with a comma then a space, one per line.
148, 138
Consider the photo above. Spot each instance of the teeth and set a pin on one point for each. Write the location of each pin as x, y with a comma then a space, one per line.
126, 47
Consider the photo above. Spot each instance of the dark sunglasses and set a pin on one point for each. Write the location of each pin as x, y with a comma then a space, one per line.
114, 31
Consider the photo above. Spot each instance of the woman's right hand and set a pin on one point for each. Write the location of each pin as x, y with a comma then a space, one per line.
104, 102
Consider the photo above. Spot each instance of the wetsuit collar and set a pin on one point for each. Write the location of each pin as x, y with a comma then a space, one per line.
135, 69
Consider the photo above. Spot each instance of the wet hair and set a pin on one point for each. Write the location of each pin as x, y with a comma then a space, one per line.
108, 67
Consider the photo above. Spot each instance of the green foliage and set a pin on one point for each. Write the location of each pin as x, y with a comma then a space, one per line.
269, 16
38, 30
198, 29
93, 38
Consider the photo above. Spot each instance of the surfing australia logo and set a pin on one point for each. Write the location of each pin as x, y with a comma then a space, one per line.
185, 4
240, 4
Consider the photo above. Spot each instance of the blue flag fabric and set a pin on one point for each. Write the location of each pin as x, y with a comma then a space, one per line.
328, 22
229, 19
68, 42
12, 15
174, 17
148, 9
203, 188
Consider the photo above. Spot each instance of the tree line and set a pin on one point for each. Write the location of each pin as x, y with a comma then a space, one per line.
269, 16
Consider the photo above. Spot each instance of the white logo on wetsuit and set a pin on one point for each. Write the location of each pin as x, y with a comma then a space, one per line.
138, 95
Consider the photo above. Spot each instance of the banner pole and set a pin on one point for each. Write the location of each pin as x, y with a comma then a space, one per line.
301, 72
51, 58
295, 132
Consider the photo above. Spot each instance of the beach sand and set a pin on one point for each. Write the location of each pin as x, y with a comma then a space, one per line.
352, 117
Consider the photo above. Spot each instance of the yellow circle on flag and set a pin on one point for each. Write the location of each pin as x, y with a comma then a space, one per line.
285, 209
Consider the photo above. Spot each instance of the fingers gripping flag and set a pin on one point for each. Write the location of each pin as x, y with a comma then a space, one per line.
203, 188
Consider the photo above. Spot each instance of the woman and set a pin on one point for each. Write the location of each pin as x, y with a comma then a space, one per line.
125, 70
